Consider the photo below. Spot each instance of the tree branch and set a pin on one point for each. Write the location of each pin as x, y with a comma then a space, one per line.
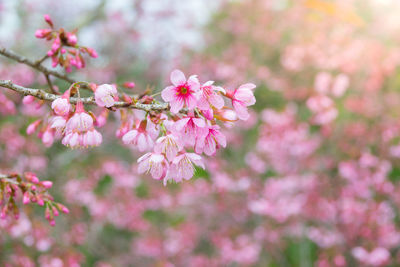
42, 94
35, 64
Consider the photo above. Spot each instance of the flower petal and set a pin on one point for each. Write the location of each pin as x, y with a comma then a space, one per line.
177, 77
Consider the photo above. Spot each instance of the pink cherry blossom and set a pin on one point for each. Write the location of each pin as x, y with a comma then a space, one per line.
91, 138
182, 93
154, 163
208, 96
61, 106
168, 145
242, 98
72, 139
80, 121
189, 129
48, 137
183, 167
377, 257
79, 129
58, 123
142, 136
211, 141
104, 95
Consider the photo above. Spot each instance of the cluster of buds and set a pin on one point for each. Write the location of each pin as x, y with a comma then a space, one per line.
192, 126
31, 189
65, 50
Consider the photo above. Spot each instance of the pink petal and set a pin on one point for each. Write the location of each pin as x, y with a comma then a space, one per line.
221, 139
177, 77
217, 101
194, 83
157, 171
208, 83
187, 171
129, 137
143, 166
179, 125
202, 103
191, 101
209, 148
199, 122
245, 96
142, 142
247, 86
176, 106
241, 110
168, 94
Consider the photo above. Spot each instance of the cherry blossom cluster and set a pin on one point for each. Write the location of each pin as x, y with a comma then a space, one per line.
173, 141
31, 189
65, 50
192, 126
75, 127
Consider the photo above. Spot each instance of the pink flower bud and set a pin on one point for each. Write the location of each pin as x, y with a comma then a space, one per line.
92, 52
40, 201
72, 39
25, 198
65, 210
32, 127
31, 177
48, 138
42, 33
28, 99
48, 20
129, 84
55, 211
47, 184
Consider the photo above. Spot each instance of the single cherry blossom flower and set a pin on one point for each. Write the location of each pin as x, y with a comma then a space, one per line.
211, 141
142, 137
104, 95
80, 121
182, 93
242, 98
154, 163
61, 106
183, 167
72, 139
91, 138
169, 145
58, 123
189, 129
208, 96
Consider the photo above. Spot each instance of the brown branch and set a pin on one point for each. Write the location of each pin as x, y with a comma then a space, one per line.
42, 94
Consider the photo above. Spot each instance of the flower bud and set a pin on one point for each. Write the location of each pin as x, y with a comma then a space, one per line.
42, 33
32, 127
25, 198
48, 20
47, 184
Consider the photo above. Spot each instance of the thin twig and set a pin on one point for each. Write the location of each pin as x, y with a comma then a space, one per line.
36, 65
40, 61
51, 86
42, 94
